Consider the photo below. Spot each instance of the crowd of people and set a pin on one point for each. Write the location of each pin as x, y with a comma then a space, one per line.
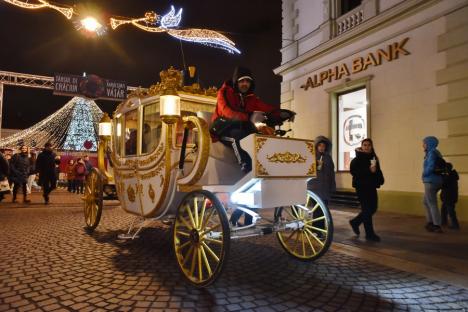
26, 170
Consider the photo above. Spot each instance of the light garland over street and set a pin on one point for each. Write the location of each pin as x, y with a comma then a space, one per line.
150, 22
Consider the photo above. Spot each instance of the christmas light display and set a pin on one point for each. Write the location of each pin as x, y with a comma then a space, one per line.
67, 11
83, 127
171, 19
69, 128
167, 23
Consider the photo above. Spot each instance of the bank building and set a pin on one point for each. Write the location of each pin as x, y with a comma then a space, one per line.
392, 70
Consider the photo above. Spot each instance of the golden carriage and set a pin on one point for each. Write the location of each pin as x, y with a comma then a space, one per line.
166, 167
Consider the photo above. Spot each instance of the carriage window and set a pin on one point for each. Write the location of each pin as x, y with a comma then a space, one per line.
151, 128
118, 135
352, 125
131, 126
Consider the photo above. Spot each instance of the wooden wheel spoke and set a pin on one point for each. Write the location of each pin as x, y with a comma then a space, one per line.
179, 232
310, 243
316, 228
303, 244
202, 213
187, 256
308, 201
211, 229
296, 241
315, 237
205, 260
210, 252
187, 225
212, 240
200, 264
183, 245
189, 211
289, 237
194, 258
208, 216
195, 211
315, 207
289, 213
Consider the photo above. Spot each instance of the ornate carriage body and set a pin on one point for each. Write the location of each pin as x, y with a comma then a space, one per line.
170, 170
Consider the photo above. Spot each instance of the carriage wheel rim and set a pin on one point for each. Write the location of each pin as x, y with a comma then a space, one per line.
308, 241
198, 253
91, 200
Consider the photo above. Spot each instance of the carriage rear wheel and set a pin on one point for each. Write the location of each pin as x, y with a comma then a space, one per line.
311, 231
93, 199
201, 238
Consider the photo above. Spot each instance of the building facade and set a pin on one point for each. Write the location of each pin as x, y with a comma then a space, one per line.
392, 70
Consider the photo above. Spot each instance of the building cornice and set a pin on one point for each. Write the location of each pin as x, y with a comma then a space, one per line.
382, 20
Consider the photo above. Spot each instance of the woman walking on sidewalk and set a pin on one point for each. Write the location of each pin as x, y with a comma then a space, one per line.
367, 178
432, 183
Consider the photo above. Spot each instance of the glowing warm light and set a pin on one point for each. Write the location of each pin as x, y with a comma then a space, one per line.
90, 24
169, 105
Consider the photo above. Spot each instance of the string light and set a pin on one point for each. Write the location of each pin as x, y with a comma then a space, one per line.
66, 11
67, 129
149, 23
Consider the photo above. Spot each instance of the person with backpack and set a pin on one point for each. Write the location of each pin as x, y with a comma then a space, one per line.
432, 179
80, 174
449, 197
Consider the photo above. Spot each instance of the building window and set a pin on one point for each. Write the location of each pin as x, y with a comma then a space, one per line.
352, 113
348, 5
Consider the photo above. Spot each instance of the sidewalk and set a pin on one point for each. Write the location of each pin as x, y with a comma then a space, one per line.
406, 245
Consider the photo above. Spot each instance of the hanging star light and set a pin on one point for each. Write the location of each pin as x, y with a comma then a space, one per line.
171, 20
69, 128
67, 11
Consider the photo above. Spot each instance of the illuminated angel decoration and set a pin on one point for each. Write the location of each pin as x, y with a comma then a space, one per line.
167, 24
66, 11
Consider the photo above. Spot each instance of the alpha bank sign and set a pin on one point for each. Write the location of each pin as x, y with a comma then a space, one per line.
390, 53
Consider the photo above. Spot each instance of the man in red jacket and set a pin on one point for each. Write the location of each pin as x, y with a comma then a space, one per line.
235, 105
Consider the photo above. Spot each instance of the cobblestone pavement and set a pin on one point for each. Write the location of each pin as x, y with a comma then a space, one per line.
48, 262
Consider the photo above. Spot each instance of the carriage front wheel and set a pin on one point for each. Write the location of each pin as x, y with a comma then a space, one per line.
309, 228
93, 199
201, 237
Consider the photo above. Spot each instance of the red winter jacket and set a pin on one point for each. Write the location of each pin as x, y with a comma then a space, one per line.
231, 105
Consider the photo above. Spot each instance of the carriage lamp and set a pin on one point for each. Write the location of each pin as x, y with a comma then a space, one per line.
105, 126
169, 107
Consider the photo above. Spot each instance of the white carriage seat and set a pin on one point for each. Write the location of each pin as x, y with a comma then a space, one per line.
222, 167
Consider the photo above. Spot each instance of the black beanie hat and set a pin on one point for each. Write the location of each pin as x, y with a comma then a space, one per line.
243, 73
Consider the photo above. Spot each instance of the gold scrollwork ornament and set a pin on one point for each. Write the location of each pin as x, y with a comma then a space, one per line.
131, 194
287, 157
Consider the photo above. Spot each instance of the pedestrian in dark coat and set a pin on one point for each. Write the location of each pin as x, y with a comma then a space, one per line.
4, 171
449, 197
19, 172
367, 178
45, 166
324, 184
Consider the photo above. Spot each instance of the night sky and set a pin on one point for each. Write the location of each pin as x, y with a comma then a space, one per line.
43, 42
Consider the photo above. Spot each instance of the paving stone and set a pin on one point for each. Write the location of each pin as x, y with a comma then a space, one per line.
51, 263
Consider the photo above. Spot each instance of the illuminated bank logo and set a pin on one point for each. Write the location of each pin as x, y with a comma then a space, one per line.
354, 130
